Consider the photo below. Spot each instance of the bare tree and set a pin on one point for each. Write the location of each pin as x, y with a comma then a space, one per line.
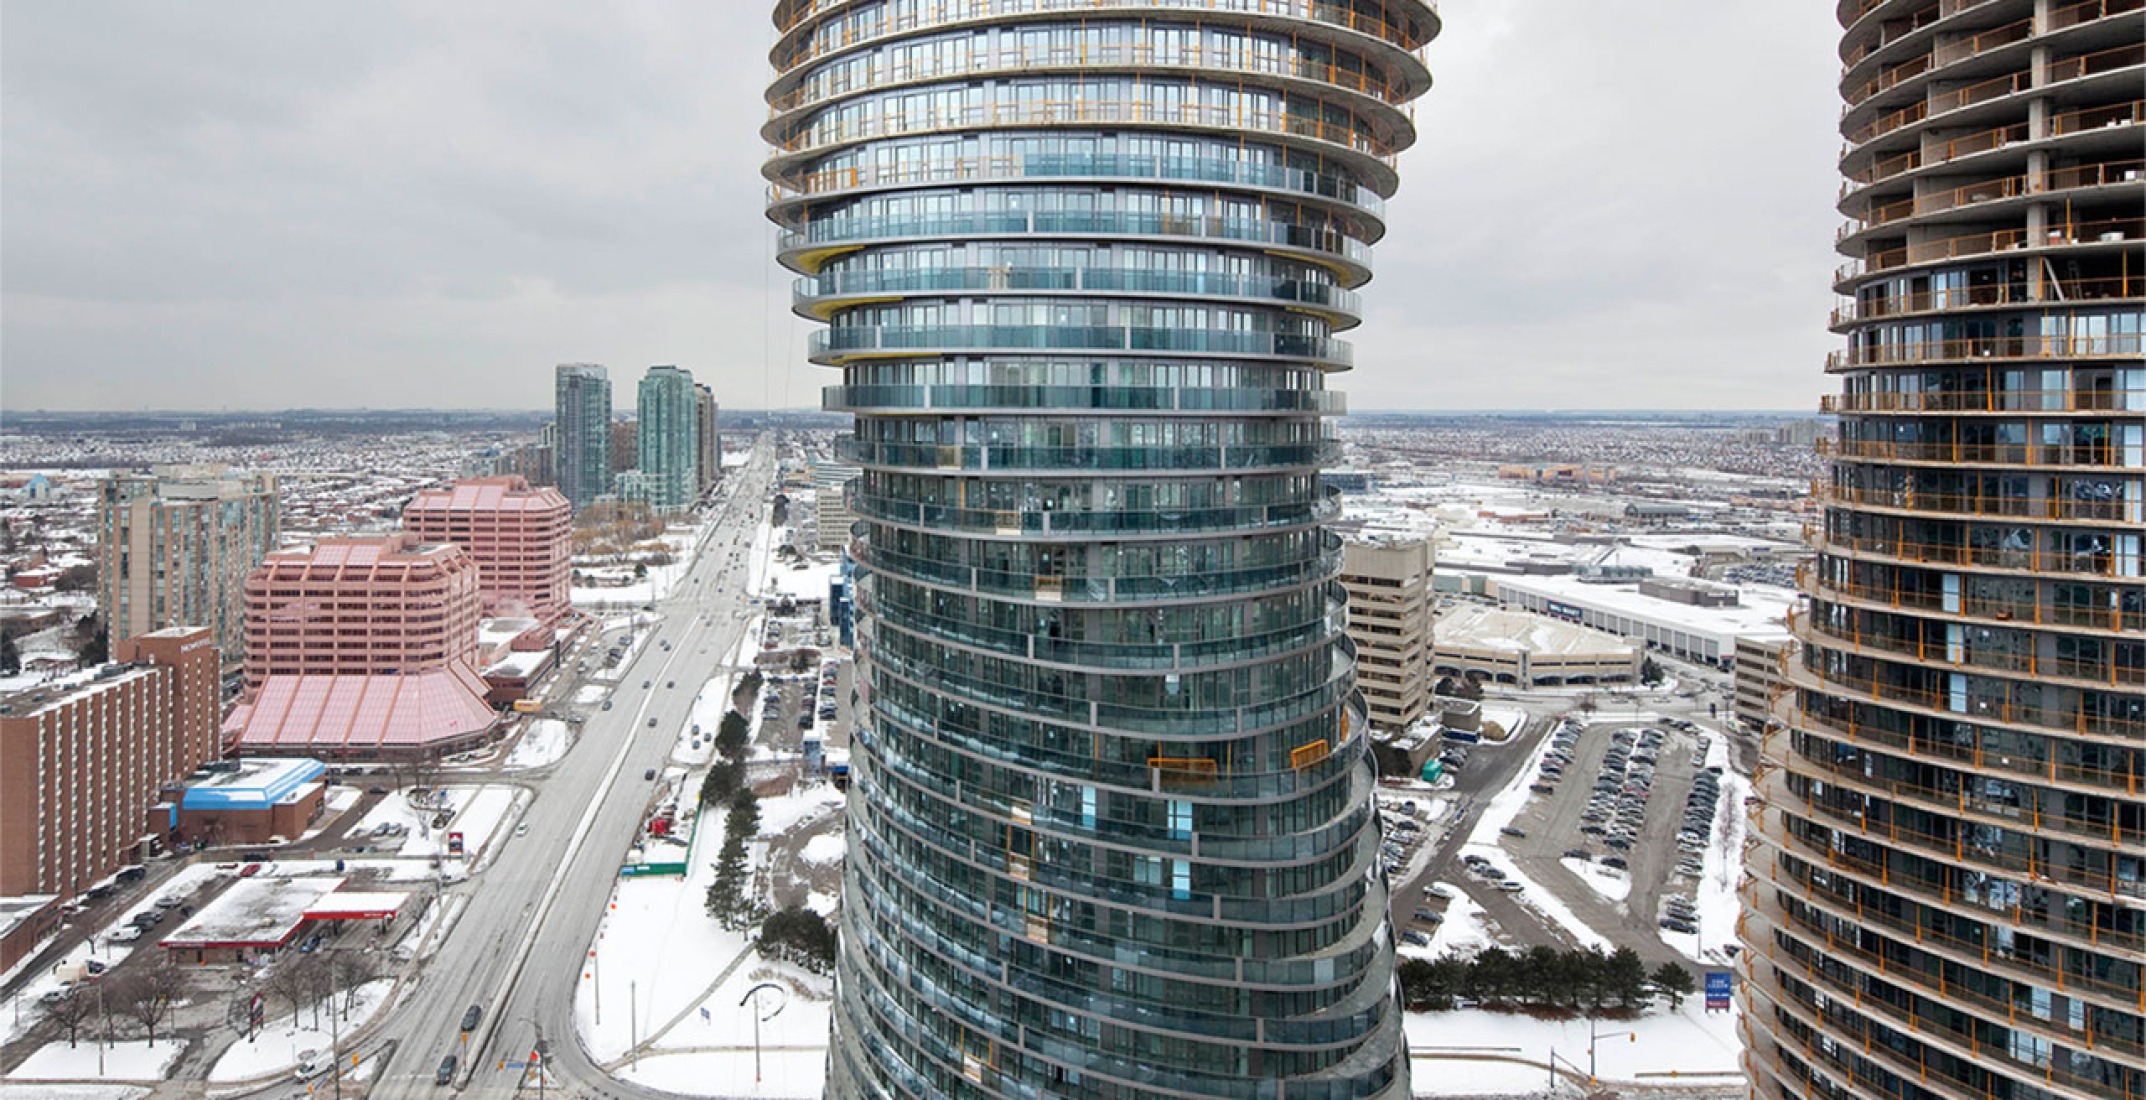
69, 1010
347, 970
287, 980
149, 994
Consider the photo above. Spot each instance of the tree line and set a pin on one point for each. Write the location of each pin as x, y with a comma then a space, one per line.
1542, 978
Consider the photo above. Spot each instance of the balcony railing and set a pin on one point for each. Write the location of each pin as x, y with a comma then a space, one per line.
844, 229
2031, 559
1766, 868
1345, 16
2026, 612
1995, 506
828, 133
844, 343
1188, 169
2051, 183
2052, 292
1128, 398
1971, 758
2111, 230
2073, 673
1201, 284
1141, 55
2116, 346
1998, 454
1986, 400
2034, 716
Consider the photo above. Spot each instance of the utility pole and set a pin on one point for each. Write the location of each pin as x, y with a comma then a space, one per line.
633, 1022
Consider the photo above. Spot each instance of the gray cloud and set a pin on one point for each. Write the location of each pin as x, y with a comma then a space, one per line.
264, 205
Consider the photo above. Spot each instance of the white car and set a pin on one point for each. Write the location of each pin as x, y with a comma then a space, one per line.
127, 933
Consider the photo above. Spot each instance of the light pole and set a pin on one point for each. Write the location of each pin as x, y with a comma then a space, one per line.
1592, 1037
753, 995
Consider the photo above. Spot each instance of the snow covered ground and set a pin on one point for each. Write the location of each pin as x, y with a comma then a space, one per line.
823, 849
543, 742
15, 1091
1689, 1042
88, 1060
477, 811
286, 1038
1464, 931
1607, 881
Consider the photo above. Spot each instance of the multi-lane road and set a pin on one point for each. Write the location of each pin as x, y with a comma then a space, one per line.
527, 919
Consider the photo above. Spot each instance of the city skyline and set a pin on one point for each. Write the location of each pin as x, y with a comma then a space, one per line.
379, 201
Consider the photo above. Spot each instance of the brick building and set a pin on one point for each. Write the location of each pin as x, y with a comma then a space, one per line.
521, 538
82, 762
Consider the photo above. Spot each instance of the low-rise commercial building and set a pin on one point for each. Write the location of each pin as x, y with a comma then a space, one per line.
249, 801
1758, 679
1524, 650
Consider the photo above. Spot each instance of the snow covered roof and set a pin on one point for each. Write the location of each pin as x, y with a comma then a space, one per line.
254, 912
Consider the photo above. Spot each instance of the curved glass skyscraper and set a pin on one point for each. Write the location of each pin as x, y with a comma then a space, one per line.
1948, 893
1082, 263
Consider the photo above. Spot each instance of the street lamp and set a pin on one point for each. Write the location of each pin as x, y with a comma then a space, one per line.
753, 995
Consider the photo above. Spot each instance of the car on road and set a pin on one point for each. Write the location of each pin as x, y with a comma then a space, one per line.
522, 829
471, 1017
445, 1075
670, 683
649, 775
607, 704
1512, 832
1511, 887
126, 934
1581, 854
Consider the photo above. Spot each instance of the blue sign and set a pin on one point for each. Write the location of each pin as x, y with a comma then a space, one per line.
1720, 986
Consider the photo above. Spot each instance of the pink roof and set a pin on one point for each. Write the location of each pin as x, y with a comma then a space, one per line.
488, 495
363, 712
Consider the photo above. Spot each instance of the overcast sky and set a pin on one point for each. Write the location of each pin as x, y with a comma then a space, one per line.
265, 205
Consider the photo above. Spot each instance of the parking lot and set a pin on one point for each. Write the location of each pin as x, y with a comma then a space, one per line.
1614, 823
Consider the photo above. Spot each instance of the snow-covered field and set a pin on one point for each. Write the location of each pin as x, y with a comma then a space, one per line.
477, 813
87, 1060
1716, 897
285, 1038
15, 1091
1689, 1041
543, 742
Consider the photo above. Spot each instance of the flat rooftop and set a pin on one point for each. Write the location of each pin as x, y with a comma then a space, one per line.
255, 912
251, 783
1472, 626
1763, 612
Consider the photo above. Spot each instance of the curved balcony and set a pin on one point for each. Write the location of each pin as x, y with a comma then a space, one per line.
1992, 506
819, 296
1394, 40
839, 345
1999, 296
2105, 232
1837, 902
1971, 349
2038, 613
2060, 130
805, 249
1372, 153
2060, 672
2068, 456
1085, 460
1071, 400
1024, 525
2030, 559
1978, 199
835, 83
787, 194
1045, 589
2071, 720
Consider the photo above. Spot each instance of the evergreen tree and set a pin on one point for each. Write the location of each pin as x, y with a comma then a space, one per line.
1674, 981
723, 780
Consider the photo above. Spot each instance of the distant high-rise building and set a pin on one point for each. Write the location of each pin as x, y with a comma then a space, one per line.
1112, 832
830, 486
625, 449
1389, 586
371, 604
669, 415
82, 762
521, 538
1948, 896
174, 548
582, 453
708, 435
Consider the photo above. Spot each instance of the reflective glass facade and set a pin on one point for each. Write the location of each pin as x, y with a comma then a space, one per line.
1947, 896
1082, 265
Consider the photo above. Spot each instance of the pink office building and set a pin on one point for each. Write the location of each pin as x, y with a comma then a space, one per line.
362, 648
520, 537
361, 606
